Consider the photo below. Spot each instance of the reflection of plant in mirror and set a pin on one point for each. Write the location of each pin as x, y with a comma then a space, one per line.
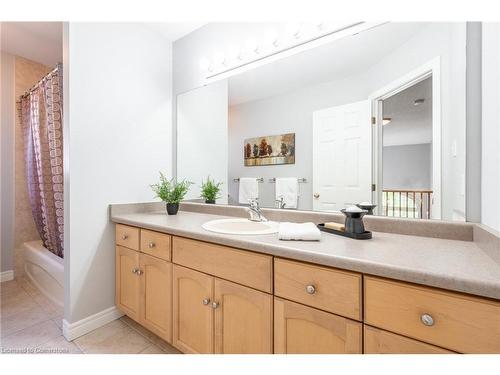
170, 191
210, 190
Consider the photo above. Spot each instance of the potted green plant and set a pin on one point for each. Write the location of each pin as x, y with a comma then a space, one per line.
210, 190
171, 192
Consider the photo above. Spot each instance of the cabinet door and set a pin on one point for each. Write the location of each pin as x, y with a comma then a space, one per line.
127, 281
156, 296
243, 319
378, 341
193, 315
300, 329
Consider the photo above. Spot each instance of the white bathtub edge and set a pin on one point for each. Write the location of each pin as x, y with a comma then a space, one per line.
74, 330
6, 275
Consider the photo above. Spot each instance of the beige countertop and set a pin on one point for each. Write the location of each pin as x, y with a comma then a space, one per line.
450, 264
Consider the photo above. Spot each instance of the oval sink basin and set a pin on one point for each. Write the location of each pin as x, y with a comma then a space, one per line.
240, 226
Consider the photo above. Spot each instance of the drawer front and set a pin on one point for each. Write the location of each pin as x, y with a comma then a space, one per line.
127, 236
378, 341
156, 244
451, 320
327, 289
243, 267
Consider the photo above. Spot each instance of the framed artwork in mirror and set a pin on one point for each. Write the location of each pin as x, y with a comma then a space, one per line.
269, 150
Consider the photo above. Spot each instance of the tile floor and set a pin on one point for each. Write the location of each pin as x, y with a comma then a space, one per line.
31, 323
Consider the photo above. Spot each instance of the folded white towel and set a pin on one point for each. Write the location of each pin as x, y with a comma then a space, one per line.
288, 188
249, 189
299, 232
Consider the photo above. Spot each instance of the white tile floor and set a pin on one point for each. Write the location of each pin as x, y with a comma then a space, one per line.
30, 323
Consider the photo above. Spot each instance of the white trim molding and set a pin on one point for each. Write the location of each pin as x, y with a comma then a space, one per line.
6, 276
72, 331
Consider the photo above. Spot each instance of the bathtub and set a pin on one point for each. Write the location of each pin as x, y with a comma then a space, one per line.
45, 270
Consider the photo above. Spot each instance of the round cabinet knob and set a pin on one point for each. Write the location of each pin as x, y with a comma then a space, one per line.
427, 320
310, 289
151, 245
206, 301
139, 272
134, 270
316, 195
215, 305
124, 236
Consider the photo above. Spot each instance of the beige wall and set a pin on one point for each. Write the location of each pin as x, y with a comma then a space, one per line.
27, 73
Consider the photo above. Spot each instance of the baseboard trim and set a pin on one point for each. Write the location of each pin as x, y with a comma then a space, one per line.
72, 331
6, 275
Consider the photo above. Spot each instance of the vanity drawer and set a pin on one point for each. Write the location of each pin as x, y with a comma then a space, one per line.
451, 320
127, 236
156, 244
327, 289
242, 267
377, 341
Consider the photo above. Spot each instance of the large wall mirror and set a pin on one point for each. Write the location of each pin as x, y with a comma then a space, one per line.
375, 117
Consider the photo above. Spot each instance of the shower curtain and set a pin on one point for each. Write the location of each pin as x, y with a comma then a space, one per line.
41, 117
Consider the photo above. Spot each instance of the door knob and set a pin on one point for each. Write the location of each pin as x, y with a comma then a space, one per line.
151, 245
134, 270
206, 301
215, 305
139, 272
316, 195
124, 236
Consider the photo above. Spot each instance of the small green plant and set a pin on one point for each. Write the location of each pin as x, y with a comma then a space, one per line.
210, 189
170, 191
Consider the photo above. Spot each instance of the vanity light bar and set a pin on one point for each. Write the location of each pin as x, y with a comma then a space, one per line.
302, 180
260, 179
287, 50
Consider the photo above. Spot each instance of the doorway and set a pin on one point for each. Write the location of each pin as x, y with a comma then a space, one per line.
407, 146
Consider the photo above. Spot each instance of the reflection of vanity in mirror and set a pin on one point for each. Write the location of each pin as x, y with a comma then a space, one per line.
375, 117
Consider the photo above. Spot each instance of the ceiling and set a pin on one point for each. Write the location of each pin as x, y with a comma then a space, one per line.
37, 41
42, 41
410, 124
174, 30
336, 60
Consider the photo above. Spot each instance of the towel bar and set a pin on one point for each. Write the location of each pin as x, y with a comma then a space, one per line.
302, 180
261, 179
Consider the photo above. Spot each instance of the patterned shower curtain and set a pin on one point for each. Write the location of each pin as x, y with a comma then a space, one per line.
41, 117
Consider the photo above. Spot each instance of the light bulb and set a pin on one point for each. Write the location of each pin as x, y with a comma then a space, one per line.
252, 45
205, 64
294, 29
219, 58
272, 39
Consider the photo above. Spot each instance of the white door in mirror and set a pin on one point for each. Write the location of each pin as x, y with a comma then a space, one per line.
342, 166
240, 226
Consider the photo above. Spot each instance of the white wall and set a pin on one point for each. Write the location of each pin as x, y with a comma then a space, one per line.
490, 160
202, 116
407, 166
7, 142
118, 136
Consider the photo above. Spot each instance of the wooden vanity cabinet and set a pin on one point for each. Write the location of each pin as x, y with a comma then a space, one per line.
127, 283
208, 298
243, 319
143, 284
300, 329
211, 315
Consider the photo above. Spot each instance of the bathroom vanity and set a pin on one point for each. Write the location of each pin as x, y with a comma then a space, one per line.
211, 293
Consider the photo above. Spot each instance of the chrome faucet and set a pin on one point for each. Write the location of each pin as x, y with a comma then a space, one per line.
279, 203
255, 211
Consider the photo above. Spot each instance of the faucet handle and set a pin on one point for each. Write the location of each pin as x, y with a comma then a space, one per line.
254, 202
